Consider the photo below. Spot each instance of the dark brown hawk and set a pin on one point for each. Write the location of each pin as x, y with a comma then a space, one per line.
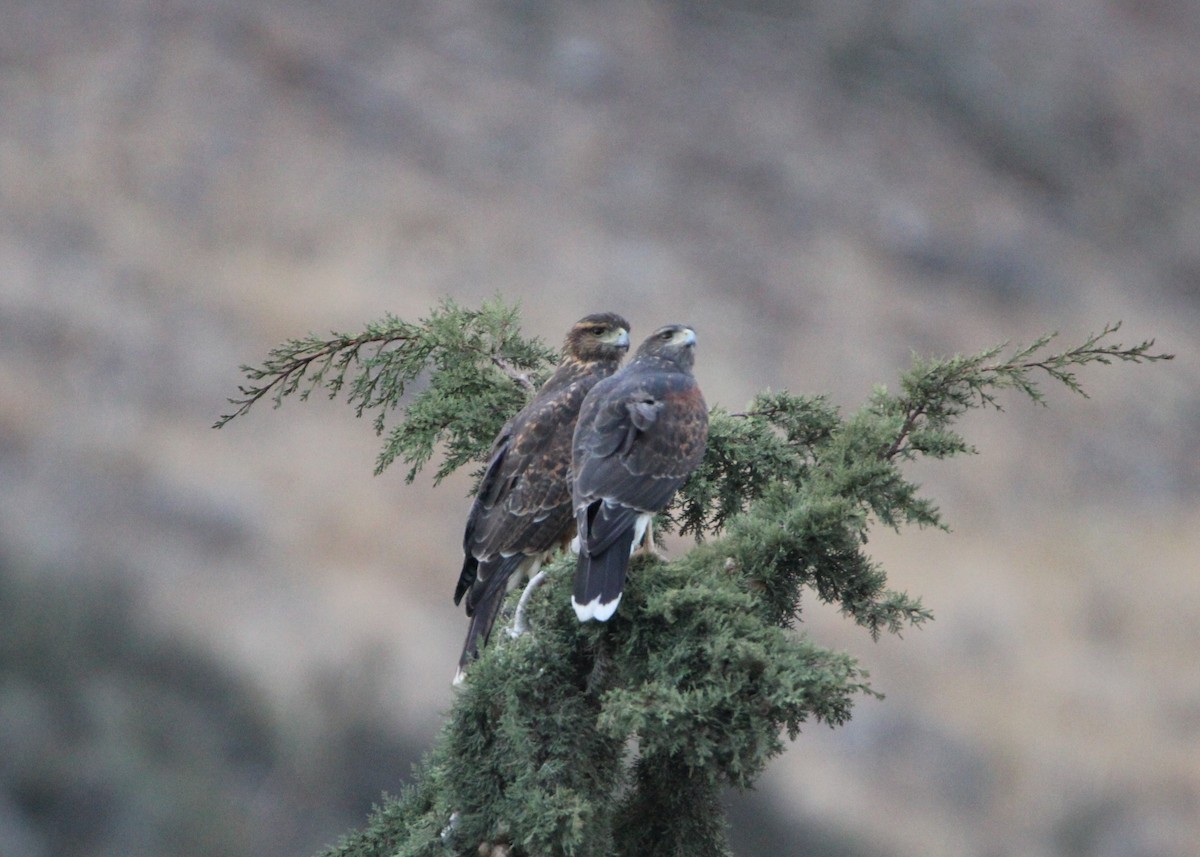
640, 433
522, 509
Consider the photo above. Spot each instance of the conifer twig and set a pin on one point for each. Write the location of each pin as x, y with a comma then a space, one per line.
521, 379
288, 367
454, 355
938, 391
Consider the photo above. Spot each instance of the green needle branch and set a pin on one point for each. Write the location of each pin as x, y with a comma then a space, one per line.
470, 369
616, 738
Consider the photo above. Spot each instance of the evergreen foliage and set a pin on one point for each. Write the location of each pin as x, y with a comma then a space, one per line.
476, 367
616, 738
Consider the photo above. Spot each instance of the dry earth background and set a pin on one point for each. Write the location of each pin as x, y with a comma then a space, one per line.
230, 643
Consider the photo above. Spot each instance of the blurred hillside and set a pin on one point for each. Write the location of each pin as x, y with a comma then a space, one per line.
208, 638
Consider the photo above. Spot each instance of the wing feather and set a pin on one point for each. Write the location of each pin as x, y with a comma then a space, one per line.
525, 501
636, 449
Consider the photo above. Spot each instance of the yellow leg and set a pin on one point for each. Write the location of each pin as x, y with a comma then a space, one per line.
646, 547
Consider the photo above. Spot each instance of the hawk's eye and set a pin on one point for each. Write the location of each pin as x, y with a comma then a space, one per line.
597, 331
666, 335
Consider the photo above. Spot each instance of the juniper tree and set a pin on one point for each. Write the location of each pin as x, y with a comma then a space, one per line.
617, 738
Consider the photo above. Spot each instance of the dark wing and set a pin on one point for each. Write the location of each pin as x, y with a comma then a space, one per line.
640, 435
522, 508
524, 503
530, 481
485, 498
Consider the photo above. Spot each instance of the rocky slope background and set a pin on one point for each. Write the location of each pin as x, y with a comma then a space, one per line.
230, 643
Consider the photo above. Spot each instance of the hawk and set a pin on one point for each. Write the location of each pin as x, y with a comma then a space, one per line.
522, 509
640, 433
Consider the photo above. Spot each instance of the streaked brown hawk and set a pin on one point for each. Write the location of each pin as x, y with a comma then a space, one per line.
640, 433
522, 510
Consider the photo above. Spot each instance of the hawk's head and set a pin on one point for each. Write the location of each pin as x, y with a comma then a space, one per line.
675, 343
599, 337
